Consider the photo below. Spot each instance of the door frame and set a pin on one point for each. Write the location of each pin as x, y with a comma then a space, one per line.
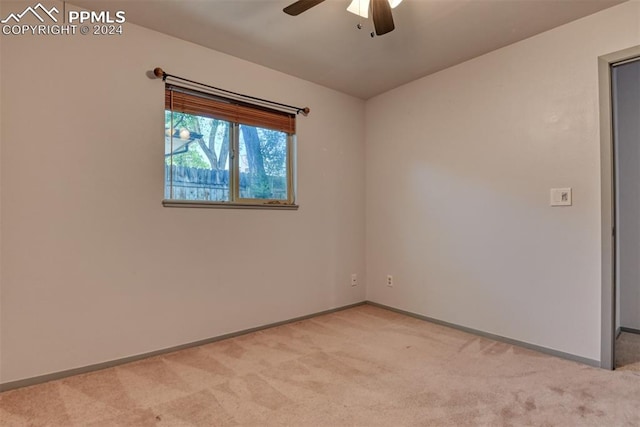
608, 201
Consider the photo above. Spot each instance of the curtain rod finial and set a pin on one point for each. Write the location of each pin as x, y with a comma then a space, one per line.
158, 72
305, 111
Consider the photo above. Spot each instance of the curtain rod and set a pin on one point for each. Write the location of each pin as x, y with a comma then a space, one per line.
160, 73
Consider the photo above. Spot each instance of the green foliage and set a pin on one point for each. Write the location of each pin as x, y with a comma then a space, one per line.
180, 120
259, 187
273, 147
190, 159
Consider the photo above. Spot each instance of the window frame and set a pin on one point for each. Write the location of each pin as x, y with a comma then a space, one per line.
235, 201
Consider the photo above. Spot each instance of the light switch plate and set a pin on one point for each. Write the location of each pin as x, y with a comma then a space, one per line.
561, 197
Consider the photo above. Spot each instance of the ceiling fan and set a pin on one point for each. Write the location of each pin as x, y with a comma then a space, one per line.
380, 10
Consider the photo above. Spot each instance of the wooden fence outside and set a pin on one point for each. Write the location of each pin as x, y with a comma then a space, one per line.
213, 185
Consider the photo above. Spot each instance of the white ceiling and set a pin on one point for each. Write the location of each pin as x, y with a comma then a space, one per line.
324, 46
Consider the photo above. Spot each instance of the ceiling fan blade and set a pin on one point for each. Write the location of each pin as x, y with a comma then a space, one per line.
300, 6
382, 16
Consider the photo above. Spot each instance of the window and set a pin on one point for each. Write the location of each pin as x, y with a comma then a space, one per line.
221, 152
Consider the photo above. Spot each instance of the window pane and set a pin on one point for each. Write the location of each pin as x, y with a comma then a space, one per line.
263, 163
196, 158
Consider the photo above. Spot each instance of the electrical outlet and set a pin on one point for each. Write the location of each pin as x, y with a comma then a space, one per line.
354, 280
390, 281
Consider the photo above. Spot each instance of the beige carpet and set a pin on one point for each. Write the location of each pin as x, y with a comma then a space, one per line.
360, 367
628, 352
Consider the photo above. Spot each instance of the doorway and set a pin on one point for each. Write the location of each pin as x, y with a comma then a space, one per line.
625, 98
610, 66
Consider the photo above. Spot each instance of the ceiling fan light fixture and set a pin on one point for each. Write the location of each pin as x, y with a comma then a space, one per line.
360, 7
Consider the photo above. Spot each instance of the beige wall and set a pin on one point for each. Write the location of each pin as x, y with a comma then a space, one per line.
94, 268
459, 168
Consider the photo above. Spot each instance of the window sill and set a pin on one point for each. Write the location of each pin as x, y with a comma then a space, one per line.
226, 205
